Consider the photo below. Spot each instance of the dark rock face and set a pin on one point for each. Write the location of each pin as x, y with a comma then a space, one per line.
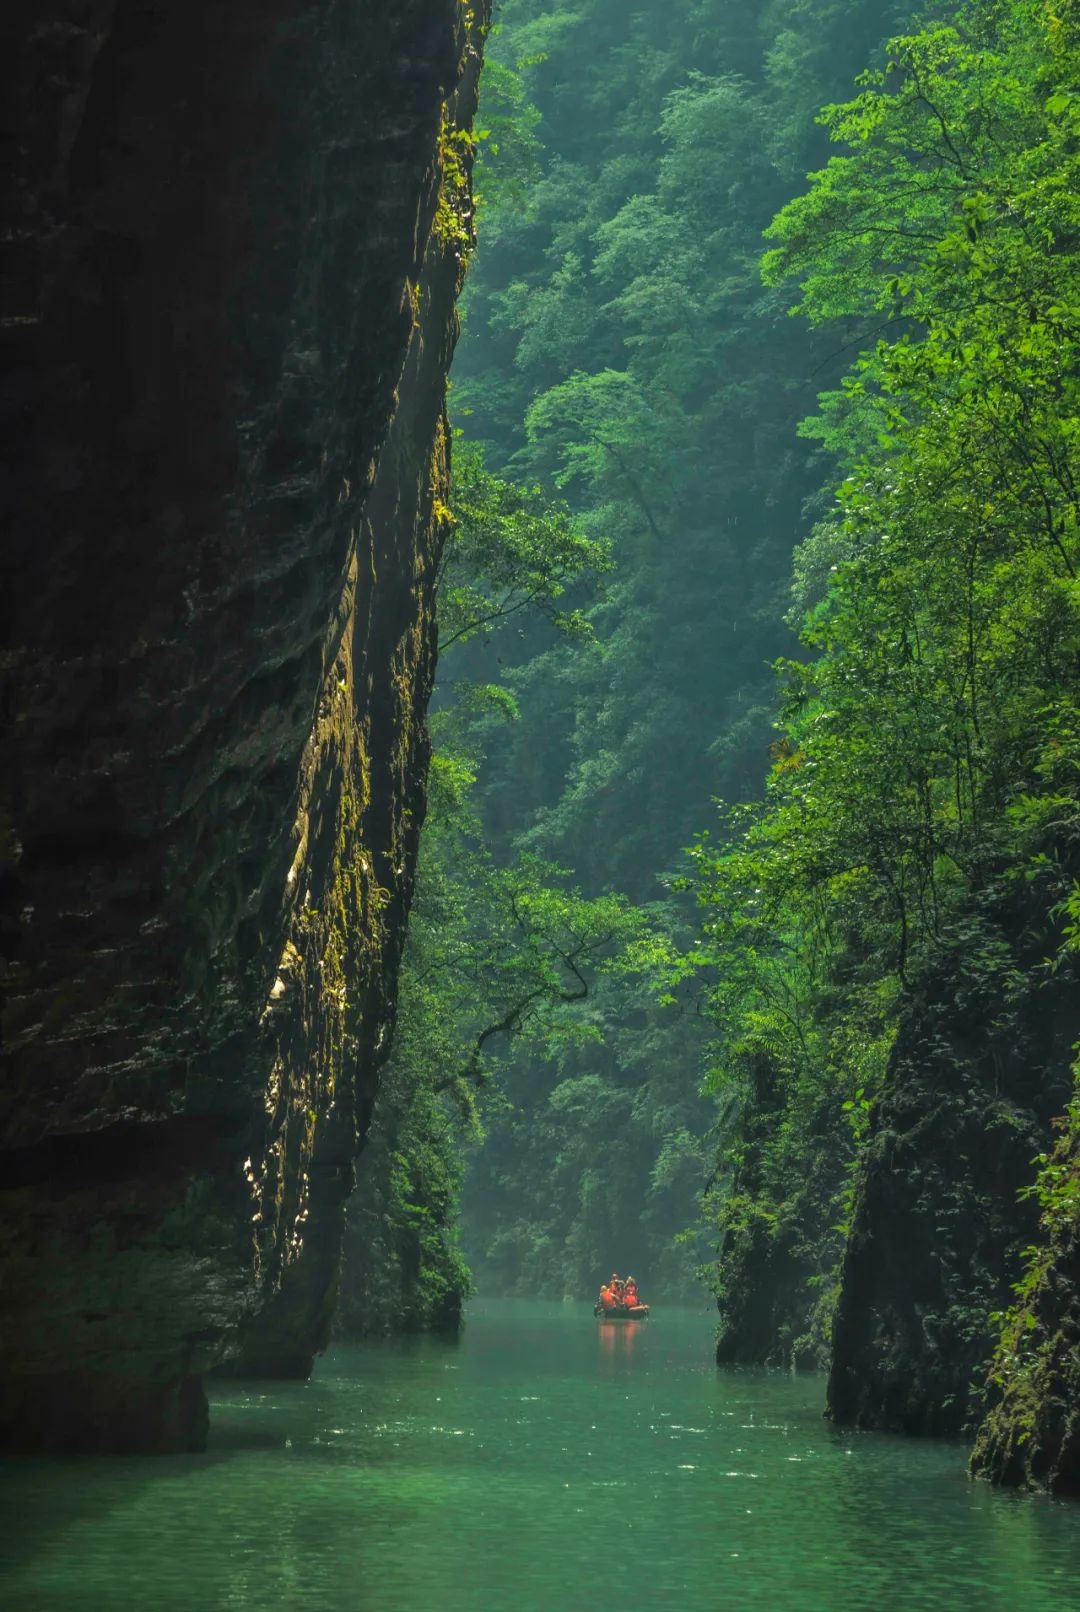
938, 1230
767, 1314
1030, 1437
228, 320
774, 1301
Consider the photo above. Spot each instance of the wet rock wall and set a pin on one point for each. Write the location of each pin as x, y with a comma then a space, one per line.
940, 1221
231, 251
1030, 1435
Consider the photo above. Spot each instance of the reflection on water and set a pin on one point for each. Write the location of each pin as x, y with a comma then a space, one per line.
617, 1337
549, 1462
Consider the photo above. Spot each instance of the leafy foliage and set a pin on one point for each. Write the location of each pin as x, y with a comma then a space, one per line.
620, 349
924, 771
512, 550
495, 953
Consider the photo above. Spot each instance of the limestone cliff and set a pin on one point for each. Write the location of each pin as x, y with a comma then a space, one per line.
939, 1223
1030, 1437
233, 240
774, 1274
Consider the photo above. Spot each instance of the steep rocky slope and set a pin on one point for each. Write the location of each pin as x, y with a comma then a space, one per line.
939, 1223
233, 241
1030, 1437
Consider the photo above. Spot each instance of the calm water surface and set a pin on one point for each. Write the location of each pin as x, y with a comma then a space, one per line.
542, 1463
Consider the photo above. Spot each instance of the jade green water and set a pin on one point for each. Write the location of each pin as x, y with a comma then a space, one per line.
542, 1463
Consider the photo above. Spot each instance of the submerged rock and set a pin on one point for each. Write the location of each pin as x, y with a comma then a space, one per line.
230, 313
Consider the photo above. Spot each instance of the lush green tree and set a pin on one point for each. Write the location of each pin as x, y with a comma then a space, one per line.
512, 550
496, 954
619, 347
920, 811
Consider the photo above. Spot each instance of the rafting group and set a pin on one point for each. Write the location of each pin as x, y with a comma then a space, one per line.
620, 1301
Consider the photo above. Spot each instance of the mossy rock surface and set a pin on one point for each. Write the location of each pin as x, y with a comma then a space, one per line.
227, 438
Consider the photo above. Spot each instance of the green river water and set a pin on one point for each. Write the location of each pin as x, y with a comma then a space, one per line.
543, 1462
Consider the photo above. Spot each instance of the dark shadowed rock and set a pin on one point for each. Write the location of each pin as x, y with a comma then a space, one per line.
774, 1304
1030, 1437
938, 1227
227, 320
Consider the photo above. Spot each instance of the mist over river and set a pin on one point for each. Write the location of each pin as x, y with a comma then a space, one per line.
541, 1462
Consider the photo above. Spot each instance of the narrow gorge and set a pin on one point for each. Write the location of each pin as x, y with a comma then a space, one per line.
539, 738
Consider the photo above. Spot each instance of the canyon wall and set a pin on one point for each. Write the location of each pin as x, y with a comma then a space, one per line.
233, 239
941, 1220
948, 1306
1030, 1435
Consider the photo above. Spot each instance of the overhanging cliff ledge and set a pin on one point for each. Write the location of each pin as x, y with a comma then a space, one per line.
232, 259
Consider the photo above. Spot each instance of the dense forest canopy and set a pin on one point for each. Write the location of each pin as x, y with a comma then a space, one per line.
857, 454
620, 348
620, 345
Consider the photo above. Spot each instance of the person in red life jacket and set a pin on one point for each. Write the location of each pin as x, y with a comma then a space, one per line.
608, 1300
616, 1285
630, 1294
